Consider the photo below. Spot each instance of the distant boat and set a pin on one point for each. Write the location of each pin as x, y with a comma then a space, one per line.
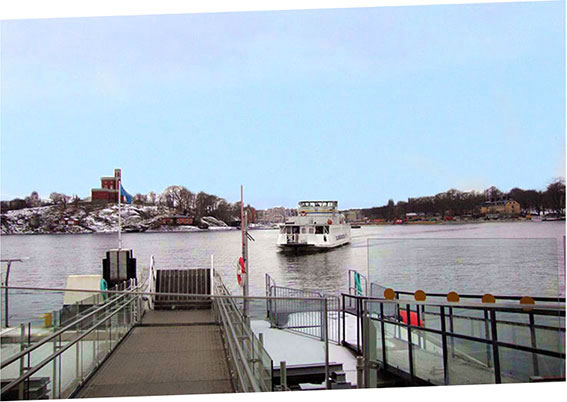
318, 225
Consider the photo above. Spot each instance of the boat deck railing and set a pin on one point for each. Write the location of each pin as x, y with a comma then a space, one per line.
459, 342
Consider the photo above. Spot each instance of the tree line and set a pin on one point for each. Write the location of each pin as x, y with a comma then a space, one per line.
458, 203
177, 198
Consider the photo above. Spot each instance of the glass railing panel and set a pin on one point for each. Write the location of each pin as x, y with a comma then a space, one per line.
469, 362
517, 365
428, 356
397, 354
550, 339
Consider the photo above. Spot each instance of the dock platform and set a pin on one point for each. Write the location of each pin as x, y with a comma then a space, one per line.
169, 353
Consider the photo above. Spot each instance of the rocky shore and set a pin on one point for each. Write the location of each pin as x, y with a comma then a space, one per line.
97, 219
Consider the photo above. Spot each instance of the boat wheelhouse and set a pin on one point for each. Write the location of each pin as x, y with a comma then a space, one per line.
318, 225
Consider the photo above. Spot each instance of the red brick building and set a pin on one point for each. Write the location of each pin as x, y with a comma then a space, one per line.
109, 189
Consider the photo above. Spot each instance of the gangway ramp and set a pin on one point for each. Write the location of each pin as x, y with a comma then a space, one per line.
169, 353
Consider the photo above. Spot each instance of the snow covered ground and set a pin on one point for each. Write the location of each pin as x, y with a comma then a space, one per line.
88, 218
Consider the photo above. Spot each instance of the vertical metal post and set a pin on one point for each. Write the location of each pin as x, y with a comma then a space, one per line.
22, 347
496, 356
360, 372
534, 344
410, 344
283, 376
486, 332
327, 374
383, 334
261, 338
77, 345
344, 319
444, 342
54, 373
6, 294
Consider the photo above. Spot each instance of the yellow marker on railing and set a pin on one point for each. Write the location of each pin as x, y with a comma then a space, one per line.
488, 298
453, 297
47, 320
389, 294
419, 295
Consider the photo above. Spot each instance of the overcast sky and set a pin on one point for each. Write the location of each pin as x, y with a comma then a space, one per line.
356, 105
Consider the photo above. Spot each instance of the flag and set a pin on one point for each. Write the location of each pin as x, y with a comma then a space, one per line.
125, 194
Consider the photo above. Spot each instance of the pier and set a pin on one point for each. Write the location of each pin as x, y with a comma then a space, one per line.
182, 332
168, 353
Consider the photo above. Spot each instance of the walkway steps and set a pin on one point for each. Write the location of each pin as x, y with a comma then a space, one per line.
170, 353
190, 281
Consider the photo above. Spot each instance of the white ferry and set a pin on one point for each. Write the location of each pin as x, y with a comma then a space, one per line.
318, 225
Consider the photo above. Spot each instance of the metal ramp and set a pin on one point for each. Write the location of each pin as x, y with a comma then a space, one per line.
169, 353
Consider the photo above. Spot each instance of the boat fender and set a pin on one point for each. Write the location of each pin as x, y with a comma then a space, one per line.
413, 318
330, 221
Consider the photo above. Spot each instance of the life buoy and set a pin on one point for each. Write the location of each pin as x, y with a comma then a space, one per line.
303, 213
413, 318
330, 221
240, 271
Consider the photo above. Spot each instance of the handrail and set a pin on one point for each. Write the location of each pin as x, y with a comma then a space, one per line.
558, 306
249, 374
24, 352
48, 359
211, 296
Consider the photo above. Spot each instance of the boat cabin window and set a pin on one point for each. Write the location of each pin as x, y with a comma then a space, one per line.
311, 230
321, 229
290, 229
303, 230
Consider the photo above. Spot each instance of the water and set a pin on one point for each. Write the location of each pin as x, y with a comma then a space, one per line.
526, 259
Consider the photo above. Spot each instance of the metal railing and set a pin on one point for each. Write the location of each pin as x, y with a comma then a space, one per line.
249, 360
446, 343
83, 340
303, 311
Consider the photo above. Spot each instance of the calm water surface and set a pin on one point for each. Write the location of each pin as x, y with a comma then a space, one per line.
519, 258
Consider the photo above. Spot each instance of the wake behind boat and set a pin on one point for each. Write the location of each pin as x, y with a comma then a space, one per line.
318, 225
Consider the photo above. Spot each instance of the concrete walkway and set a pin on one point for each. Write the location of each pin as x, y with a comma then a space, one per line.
171, 353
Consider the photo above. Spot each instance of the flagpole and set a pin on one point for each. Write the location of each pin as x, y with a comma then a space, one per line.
119, 214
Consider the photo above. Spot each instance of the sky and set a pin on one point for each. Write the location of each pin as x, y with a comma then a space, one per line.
355, 105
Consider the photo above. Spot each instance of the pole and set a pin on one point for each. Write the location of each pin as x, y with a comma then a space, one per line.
119, 214
6, 295
244, 227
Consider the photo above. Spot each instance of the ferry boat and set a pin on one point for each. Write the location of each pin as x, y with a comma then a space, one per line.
318, 225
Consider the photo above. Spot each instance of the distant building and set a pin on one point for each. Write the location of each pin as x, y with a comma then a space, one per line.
353, 215
109, 189
176, 220
504, 207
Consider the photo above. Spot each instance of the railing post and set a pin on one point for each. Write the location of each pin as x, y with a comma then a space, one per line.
534, 344
410, 344
444, 343
22, 363
486, 332
283, 376
360, 372
327, 374
344, 319
496, 356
